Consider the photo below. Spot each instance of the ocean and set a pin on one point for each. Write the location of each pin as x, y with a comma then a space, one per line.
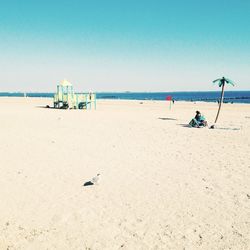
207, 96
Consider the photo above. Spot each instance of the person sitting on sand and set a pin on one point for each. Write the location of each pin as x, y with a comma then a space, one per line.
198, 121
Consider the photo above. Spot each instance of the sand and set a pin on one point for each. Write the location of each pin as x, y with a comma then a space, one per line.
162, 185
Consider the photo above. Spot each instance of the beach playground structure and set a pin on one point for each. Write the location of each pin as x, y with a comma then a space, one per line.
66, 98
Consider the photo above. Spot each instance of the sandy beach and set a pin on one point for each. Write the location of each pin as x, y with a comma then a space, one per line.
162, 185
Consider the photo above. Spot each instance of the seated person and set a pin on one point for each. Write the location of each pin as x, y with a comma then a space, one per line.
198, 121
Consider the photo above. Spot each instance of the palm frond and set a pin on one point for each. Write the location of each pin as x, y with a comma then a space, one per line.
229, 81
223, 80
214, 81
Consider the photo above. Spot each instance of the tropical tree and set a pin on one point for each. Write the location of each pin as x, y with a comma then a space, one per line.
222, 82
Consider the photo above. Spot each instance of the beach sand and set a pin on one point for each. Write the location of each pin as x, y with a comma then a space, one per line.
162, 185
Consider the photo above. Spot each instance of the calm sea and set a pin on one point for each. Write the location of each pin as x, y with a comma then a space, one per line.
230, 96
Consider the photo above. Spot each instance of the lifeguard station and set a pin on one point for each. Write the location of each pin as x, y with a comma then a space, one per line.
65, 98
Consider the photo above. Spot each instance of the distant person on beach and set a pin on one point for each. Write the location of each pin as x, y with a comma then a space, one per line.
198, 121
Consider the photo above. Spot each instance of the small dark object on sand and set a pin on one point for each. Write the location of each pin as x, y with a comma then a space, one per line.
212, 127
47, 106
88, 183
94, 181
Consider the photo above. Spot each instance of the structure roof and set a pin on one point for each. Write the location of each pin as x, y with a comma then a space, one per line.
65, 83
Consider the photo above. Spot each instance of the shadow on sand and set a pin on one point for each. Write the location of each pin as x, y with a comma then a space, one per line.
167, 119
184, 125
229, 128
48, 107
45, 107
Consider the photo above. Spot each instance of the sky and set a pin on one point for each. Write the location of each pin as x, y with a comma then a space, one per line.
124, 45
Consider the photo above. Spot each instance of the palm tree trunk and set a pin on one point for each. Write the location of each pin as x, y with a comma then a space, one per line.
221, 101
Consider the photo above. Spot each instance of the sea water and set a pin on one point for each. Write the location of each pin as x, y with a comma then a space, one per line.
207, 96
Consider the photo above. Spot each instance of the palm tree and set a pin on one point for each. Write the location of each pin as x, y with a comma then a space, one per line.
222, 82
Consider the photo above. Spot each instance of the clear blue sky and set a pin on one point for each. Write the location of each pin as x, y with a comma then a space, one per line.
106, 45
